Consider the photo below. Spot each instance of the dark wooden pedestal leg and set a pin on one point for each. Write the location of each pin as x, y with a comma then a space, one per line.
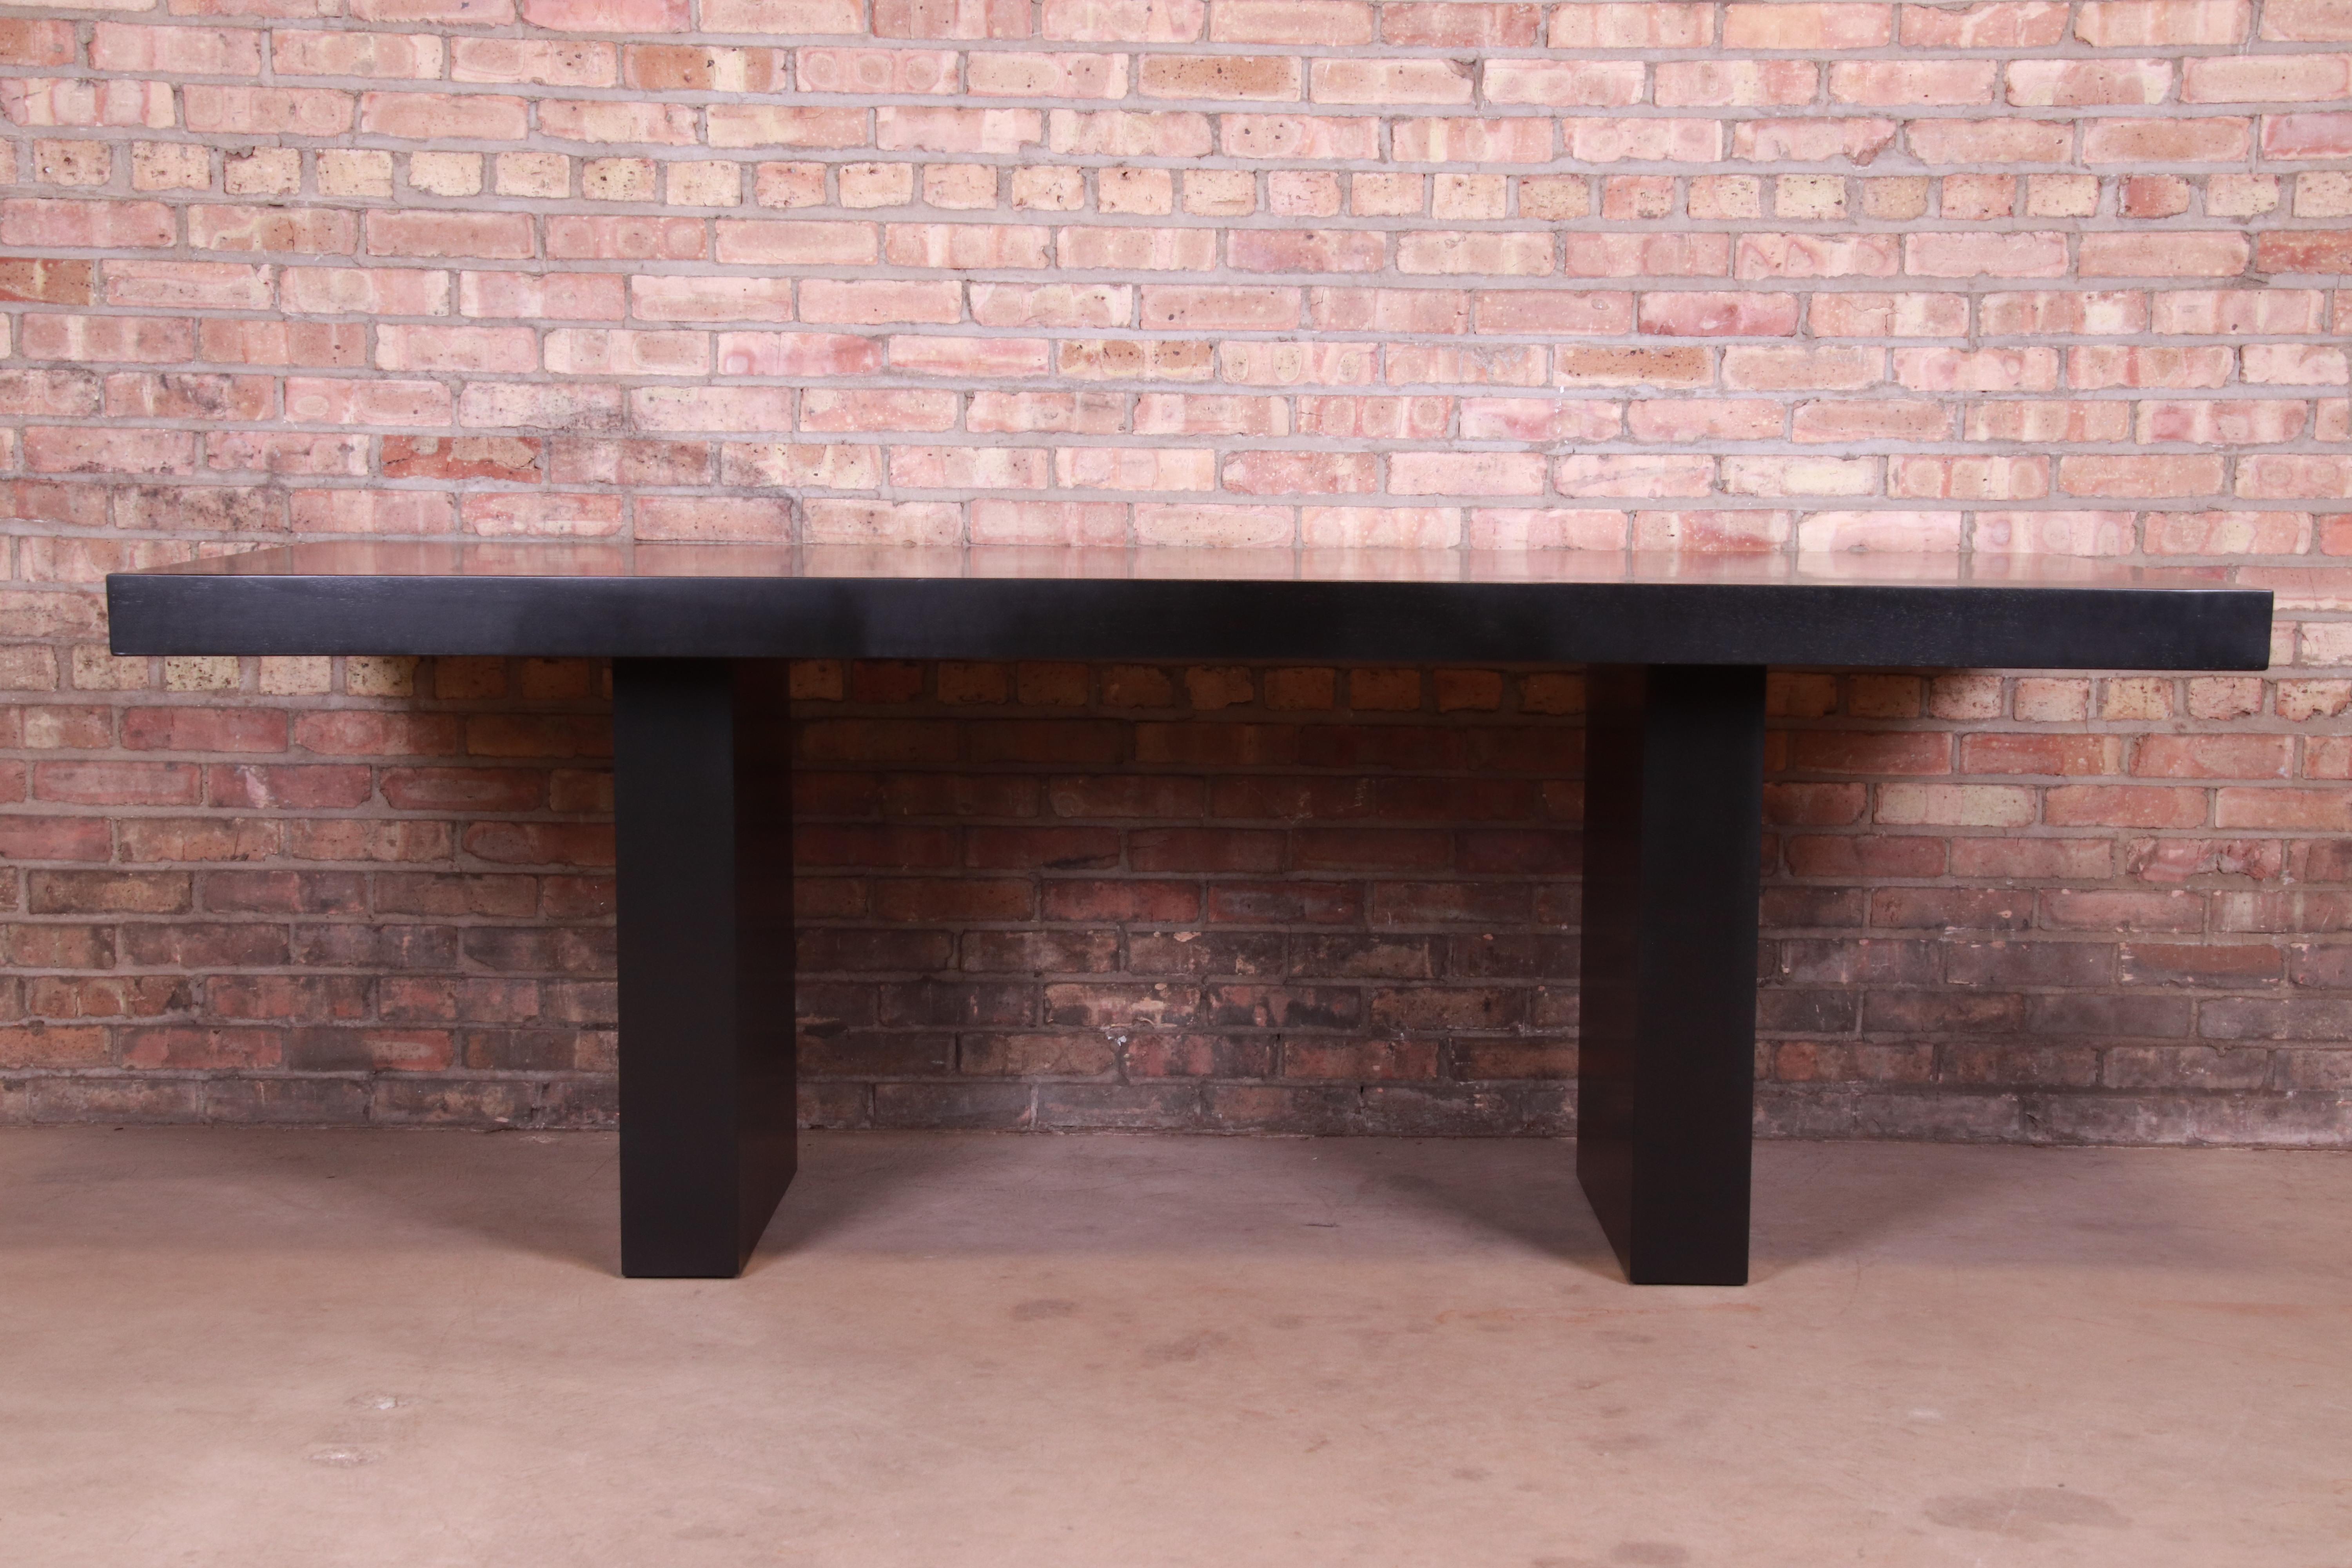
1665, 1084
702, 779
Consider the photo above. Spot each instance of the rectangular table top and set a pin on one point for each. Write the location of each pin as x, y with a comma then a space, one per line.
1021, 601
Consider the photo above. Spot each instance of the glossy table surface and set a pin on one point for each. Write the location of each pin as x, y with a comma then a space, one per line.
1554, 606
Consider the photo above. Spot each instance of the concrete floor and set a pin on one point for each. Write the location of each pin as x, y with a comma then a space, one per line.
274, 1348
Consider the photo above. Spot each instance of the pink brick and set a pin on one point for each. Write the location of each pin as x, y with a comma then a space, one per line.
1206, 526
1913, 82
496, 235
1640, 25
691, 298
2169, 255
1122, 134
1719, 314
424, 116
411, 55
667, 124
577, 297
2307, 136
2284, 477
453, 13
1991, 25
1576, 84
2285, 364
1125, 21
2235, 422
2200, 140
2031, 254
2152, 478
193, 51
2007, 141
1006, 75
1467, 473
879, 302
810, 355
1380, 528
1969, 479
1580, 313
1703, 533
1977, 370
1800, 25
319, 400
364, 290
930, 130
2307, 21
1925, 532
951, 19
2043, 84
2053, 532
1818, 256
2113, 23
257, 111
1510, 255
43, 102
2227, 533
2036, 420
607, 16
785, 17
1142, 249
1306, 137
966, 246
465, 349
596, 351
795, 242
1399, 81
712, 517
1672, 141
1734, 83
1775, 368
111, 224
2119, 365
1221, 307
1703, 419
736, 125
306, 232
632, 239
539, 61
1004, 521
91, 339
2266, 79
56, 449
1300, 473
1886, 419
988, 357
1649, 255
826, 410
2063, 312
1322, 21
1651, 475
717, 409
1858, 315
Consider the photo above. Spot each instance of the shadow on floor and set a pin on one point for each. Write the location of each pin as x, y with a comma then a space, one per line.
1523, 1189
555, 1197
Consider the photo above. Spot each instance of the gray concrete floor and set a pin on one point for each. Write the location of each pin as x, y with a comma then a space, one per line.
363, 1348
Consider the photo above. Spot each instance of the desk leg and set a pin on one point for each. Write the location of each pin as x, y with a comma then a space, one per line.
1666, 1083
702, 780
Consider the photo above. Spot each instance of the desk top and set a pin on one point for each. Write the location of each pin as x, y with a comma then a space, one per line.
1022, 602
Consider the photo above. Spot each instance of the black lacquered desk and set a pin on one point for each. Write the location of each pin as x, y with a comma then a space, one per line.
699, 636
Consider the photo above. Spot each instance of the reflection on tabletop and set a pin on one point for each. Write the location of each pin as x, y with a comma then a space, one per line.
363, 558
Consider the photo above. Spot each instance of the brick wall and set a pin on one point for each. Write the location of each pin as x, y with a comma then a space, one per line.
2024, 276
